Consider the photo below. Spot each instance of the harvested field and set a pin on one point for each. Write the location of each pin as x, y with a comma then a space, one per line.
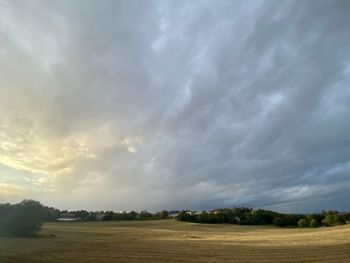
172, 241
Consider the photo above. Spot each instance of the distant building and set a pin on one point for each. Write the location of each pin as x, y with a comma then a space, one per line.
68, 217
193, 212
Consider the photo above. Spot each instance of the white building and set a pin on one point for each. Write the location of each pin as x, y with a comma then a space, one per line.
68, 217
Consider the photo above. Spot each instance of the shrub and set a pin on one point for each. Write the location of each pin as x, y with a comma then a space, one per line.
302, 223
164, 214
25, 219
313, 223
291, 220
278, 221
145, 213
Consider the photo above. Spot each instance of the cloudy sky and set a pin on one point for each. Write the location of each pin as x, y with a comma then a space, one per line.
175, 104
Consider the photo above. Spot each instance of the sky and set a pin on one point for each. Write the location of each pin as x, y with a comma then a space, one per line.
130, 105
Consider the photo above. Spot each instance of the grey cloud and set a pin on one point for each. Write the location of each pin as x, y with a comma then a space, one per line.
187, 104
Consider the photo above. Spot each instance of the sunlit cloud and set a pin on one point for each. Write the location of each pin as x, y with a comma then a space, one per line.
10, 192
26, 148
171, 105
132, 144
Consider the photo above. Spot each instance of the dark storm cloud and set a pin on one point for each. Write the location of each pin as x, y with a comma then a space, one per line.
196, 104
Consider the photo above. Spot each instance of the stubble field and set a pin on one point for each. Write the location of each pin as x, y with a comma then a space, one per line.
172, 241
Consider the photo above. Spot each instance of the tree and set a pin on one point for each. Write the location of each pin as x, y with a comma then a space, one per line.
132, 215
163, 214
83, 214
145, 214
302, 222
108, 216
26, 219
212, 218
203, 217
278, 221
313, 223
291, 220
91, 217
50, 214
309, 217
186, 216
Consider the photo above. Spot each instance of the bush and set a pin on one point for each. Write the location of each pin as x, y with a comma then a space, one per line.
247, 216
164, 214
278, 221
291, 220
145, 214
25, 219
302, 223
313, 223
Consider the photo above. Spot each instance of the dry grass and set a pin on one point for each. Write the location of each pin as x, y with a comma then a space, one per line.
171, 241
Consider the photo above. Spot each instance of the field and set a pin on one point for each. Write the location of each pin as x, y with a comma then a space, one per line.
172, 241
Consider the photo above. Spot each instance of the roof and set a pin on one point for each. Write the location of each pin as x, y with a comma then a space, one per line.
66, 214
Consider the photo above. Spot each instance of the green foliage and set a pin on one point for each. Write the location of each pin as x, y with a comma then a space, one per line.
83, 214
187, 216
347, 216
123, 216
145, 214
163, 214
334, 218
108, 216
23, 219
309, 217
247, 216
132, 215
278, 221
237, 215
329, 220
302, 222
214, 218
91, 217
50, 214
203, 217
313, 223
291, 220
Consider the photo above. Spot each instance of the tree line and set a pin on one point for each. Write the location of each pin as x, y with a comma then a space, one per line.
27, 217
120, 216
83, 215
249, 216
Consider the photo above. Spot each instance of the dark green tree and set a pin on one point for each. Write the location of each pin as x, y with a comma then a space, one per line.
50, 214
302, 222
163, 214
132, 215
108, 216
313, 223
291, 220
278, 221
145, 214
26, 219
